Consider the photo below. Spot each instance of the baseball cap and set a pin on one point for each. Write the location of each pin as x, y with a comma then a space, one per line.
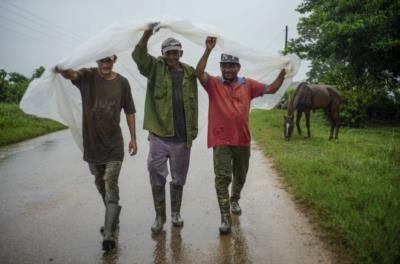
109, 59
170, 44
226, 58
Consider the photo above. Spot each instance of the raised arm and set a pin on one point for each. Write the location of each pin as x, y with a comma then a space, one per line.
68, 74
147, 34
145, 38
201, 65
275, 85
140, 54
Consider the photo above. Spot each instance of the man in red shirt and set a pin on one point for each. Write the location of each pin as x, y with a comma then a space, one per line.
228, 126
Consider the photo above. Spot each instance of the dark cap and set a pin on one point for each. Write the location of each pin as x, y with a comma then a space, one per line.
226, 58
170, 44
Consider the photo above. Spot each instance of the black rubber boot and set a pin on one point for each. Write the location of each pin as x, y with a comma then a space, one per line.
159, 206
176, 201
116, 227
112, 215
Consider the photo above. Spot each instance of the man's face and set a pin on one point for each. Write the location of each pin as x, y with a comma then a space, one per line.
229, 71
172, 57
105, 66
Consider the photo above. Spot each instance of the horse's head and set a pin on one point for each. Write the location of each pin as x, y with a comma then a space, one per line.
287, 127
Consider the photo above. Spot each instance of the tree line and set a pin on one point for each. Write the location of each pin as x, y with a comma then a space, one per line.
13, 85
354, 45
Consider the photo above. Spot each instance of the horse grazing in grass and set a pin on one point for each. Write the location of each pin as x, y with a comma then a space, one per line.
309, 97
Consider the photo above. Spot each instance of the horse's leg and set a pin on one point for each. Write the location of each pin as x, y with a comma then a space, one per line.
308, 122
333, 115
331, 120
332, 128
298, 118
336, 118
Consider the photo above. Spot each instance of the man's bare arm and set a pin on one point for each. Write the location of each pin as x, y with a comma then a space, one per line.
130, 119
68, 74
275, 85
201, 65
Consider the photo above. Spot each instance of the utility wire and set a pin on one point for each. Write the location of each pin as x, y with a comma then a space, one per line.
27, 33
40, 31
32, 18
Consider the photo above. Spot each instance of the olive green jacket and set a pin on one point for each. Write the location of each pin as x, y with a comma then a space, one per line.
158, 110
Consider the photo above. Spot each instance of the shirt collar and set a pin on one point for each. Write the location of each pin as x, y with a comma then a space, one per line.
241, 80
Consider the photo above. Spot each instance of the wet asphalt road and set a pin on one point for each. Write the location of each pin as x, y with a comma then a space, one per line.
50, 212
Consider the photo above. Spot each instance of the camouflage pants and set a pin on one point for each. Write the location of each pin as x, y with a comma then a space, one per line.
230, 161
106, 180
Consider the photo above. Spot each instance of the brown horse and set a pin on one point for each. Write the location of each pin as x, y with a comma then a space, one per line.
309, 97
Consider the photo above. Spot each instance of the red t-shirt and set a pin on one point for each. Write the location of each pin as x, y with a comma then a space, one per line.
228, 111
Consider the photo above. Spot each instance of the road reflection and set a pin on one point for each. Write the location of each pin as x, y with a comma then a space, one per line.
233, 248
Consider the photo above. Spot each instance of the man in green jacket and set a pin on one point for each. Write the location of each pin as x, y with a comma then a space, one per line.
170, 116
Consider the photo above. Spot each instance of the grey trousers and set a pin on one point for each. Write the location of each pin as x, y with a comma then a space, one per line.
161, 151
106, 180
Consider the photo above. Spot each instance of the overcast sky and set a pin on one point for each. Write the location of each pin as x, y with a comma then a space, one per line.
41, 32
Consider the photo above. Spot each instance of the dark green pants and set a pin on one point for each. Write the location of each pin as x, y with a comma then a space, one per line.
230, 162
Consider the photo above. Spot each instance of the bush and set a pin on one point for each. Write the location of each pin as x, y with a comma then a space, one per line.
360, 106
353, 109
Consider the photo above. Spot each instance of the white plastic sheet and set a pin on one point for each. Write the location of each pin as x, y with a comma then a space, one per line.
53, 97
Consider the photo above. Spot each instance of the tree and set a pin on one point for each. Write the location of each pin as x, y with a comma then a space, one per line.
13, 85
352, 44
37, 73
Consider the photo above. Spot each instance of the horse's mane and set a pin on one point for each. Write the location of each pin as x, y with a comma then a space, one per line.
301, 98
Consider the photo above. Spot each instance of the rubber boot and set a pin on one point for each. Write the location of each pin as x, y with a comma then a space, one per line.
116, 228
112, 214
225, 227
159, 206
224, 206
235, 207
102, 228
176, 201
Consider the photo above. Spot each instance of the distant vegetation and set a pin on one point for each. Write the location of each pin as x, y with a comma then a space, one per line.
13, 85
15, 125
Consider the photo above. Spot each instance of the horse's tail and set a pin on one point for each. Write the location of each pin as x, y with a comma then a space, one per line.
332, 112
334, 94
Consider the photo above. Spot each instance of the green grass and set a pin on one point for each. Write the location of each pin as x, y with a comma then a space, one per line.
16, 126
350, 187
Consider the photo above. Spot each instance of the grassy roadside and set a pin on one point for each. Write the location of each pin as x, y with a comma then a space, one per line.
16, 126
351, 187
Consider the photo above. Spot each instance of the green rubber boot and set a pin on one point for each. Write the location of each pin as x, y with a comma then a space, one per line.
225, 227
235, 208
159, 205
224, 207
176, 201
